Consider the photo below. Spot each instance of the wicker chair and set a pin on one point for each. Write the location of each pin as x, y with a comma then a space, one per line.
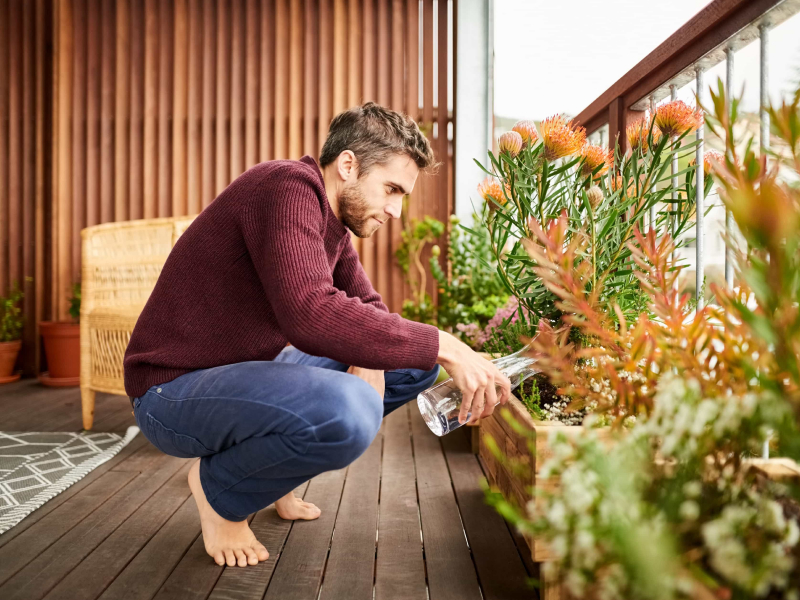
121, 263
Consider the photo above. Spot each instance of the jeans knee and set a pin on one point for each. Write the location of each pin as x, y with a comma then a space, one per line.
357, 410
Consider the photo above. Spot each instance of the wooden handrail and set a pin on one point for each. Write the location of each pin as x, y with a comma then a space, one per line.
700, 42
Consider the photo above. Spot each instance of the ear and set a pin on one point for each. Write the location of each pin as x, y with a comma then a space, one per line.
346, 165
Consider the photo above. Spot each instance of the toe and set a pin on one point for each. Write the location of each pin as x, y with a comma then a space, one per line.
241, 559
230, 559
219, 558
261, 551
252, 558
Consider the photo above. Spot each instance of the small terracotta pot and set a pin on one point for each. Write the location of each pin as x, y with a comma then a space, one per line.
62, 345
8, 357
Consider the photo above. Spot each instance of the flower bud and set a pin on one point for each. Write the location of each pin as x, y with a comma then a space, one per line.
595, 195
528, 132
435, 250
510, 142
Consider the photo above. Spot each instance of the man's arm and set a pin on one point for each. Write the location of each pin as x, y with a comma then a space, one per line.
281, 229
349, 275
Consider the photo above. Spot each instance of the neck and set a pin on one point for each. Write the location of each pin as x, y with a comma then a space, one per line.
331, 190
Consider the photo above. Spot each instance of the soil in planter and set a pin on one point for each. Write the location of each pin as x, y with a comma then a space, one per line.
548, 393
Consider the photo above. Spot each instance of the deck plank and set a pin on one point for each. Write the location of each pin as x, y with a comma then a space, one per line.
299, 570
351, 566
451, 572
251, 582
501, 569
146, 573
132, 449
98, 570
51, 527
400, 570
43, 572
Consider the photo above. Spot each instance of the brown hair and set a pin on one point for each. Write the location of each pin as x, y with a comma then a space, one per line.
375, 134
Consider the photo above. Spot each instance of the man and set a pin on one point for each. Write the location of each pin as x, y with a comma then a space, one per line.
270, 262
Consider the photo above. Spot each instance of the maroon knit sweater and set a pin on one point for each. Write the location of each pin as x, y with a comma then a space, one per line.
265, 263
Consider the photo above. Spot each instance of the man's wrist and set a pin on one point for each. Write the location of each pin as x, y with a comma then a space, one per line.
447, 349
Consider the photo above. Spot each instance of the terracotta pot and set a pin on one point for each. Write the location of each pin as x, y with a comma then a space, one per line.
8, 356
62, 345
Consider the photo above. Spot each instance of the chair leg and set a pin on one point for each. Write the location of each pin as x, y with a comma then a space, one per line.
87, 405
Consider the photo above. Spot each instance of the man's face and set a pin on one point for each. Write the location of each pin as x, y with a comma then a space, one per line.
367, 203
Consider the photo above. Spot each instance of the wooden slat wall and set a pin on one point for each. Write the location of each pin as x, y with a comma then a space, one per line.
149, 108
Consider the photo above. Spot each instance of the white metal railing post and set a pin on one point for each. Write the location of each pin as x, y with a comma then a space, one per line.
653, 210
764, 67
730, 226
700, 205
673, 94
763, 30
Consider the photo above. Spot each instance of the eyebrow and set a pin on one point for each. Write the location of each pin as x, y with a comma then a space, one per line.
398, 186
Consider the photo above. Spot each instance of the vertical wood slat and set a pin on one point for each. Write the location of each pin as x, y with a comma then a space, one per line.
108, 20
266, 105
223, 95
295, 79
310, 56
121, 111
78, 134
252, 35
412, 101
442, 115
28, 173
281, 78
5, 271
209, 84
396, 225
180, 102
382, 280
369, 87
194, 147
157, 106
151, 115
92, 113
136, 193
237, 89
165, 108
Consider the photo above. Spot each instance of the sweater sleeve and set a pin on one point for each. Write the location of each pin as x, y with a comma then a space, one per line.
349, 275
282, 228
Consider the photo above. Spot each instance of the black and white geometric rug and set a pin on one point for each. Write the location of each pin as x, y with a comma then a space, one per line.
36, 466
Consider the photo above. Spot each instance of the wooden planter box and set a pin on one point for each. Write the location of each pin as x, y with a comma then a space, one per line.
514, 445
514, 485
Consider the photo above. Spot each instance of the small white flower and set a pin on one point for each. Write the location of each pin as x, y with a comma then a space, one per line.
692, 489
689, 510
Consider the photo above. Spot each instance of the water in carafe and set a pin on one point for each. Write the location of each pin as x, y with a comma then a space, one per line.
440, 404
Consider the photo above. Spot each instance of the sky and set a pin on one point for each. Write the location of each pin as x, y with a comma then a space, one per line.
556, 56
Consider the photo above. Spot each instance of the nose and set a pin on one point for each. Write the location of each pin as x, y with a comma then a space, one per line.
393, 210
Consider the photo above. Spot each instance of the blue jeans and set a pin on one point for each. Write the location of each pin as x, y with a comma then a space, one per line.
262, 428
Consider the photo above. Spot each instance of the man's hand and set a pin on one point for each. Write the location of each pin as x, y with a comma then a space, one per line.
475, 376
372, 377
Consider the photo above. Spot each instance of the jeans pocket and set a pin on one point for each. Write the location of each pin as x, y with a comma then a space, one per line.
173, 443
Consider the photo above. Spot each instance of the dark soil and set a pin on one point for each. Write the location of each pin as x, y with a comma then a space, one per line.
547, 391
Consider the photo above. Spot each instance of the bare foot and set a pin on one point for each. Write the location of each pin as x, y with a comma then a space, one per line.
227, 542
292, 508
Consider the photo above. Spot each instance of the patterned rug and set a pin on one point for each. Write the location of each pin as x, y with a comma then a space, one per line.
36, 466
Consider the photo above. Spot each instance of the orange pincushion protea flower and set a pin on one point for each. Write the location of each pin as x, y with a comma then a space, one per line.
561, 137
637, 134
595, 195
708, 158
528, 132
490, 189
510, 142
594, 156
676, 118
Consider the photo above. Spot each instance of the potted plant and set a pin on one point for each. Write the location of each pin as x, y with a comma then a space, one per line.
62, 346
11, 323
550, 190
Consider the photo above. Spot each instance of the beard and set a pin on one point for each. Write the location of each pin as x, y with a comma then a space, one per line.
354, 211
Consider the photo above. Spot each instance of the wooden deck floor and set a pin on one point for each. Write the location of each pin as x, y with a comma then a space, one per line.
405, 521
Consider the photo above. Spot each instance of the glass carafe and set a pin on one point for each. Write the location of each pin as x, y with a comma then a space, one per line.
441, 403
